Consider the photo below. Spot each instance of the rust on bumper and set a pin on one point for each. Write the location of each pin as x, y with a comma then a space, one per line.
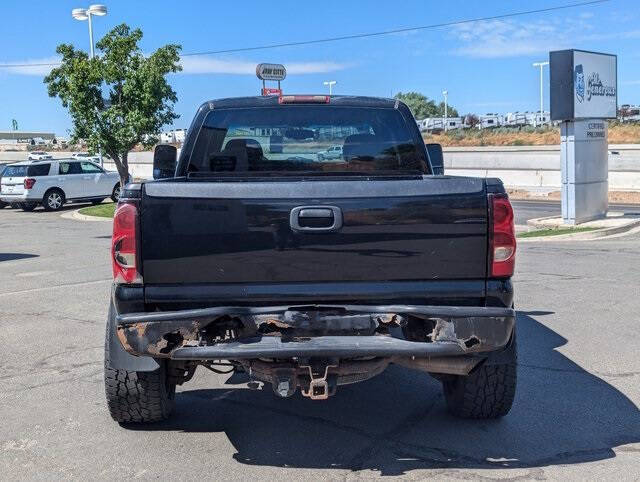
314, 331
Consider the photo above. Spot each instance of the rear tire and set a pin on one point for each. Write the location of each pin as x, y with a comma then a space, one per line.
3, 204
53, 200
320, 157
137, 397
115, 194
487, 392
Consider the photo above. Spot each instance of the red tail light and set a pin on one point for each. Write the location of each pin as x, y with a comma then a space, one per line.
29, 182
124, 245
502, 236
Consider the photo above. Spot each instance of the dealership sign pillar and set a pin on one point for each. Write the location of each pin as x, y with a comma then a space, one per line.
583, 95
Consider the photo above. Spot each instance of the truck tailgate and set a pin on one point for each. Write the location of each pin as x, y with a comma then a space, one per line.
431, 228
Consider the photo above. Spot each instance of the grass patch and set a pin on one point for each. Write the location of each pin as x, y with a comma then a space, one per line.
100, 210
553, 232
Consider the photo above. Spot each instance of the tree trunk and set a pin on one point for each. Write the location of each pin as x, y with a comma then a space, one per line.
122, 165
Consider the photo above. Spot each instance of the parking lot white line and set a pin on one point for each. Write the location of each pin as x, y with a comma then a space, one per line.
66, 285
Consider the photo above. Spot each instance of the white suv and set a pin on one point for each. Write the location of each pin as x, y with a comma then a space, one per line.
334, 152
52, 183
85, 156
39, 156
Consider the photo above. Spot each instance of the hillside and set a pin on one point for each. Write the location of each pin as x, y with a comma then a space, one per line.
528, 136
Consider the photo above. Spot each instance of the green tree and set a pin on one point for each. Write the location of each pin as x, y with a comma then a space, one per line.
421, 106
118, 99
451, 111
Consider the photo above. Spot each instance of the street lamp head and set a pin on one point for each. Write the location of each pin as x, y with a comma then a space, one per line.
540, 64
79, 14
445, 92
98, 10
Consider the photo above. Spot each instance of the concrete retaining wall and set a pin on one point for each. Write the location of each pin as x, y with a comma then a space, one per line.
518, 166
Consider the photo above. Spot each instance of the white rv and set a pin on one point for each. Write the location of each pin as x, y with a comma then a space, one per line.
488, 121
438, 123
180, 135
515, 119
167, 137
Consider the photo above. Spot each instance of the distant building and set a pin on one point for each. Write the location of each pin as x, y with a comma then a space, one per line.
27, 137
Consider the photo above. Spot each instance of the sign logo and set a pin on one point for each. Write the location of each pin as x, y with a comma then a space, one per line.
595, 87
271, 72
578, 81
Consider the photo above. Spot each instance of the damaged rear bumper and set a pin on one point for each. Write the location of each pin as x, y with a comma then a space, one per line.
315, 331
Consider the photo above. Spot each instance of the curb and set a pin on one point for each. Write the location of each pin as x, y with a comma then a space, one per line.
583, 236
75, 215
533, 222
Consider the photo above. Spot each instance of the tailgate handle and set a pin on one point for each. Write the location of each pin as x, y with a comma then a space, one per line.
316, 219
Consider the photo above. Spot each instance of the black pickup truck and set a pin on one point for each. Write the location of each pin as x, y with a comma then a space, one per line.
251, 253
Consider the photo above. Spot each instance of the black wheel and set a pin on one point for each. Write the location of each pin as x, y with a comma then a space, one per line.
53, 200
487, 392
115, 195
3, 204
96, 201
28, 207
320, 157
134, 397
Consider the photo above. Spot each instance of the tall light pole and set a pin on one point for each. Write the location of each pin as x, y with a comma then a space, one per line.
445, 93
330, 83
86, 14
541, 65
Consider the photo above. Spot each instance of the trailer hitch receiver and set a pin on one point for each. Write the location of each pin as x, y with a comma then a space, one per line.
318, 386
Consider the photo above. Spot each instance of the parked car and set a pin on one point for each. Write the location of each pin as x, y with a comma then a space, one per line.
39, 155
2, 168
334, 152
307, 274
85, 156
53, 183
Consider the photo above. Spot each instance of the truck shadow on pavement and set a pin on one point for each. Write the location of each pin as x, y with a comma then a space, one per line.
16, 256
397, 422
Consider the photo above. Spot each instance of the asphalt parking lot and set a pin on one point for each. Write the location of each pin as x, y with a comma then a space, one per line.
576, 412
525, 210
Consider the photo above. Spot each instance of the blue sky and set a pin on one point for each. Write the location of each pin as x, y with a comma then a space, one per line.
485, 66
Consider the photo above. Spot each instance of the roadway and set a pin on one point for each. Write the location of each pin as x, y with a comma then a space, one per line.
525, 210
575, 415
